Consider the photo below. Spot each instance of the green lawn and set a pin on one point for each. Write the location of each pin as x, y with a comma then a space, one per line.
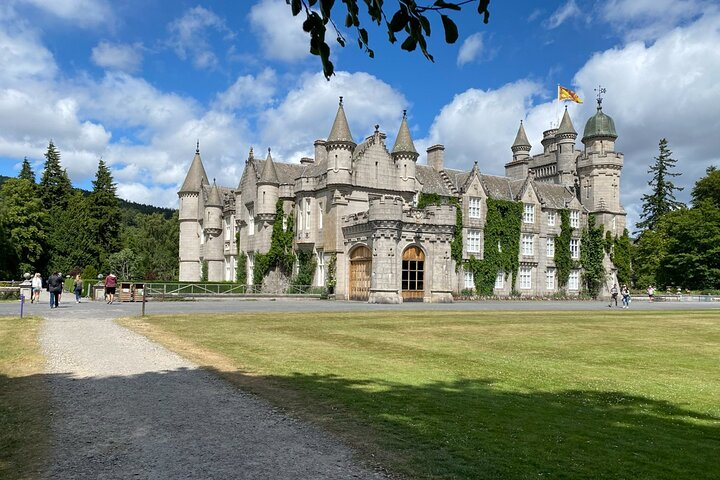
24, 412
506, 395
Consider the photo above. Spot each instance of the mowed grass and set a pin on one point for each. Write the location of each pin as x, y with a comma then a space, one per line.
508, 395
24, 411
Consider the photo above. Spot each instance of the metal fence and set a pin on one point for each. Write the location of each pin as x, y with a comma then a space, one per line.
176, 289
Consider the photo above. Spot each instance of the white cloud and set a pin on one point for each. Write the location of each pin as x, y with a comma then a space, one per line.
307, 112
123, 57
158, 196
189, 36
84, 13
248, 90
650, 19
471, 49
562, 14
23, 57
281, 34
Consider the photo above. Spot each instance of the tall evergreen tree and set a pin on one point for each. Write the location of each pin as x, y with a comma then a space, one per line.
55, 186
70, 244
661, 200
26, 172
103, 216
24, 220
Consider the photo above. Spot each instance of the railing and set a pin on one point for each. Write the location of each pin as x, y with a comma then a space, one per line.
175, 289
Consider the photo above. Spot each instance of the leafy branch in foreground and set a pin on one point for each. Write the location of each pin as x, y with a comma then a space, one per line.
409, 17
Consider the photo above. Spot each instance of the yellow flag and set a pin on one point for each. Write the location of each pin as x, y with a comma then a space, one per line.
567, 94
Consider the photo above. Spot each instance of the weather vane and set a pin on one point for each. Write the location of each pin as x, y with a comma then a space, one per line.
600, 90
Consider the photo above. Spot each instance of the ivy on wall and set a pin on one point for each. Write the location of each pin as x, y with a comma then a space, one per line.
592, 253
331, 272
204, 271
563, 258
306, 270
502, 228
456, 245
280, 254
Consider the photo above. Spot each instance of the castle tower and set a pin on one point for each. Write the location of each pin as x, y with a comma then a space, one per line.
566, 155
268, 189
518, 167
405, 157
599, 169
340, 146
212, 227
191, 219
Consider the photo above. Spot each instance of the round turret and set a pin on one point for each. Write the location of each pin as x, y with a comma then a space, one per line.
599, 126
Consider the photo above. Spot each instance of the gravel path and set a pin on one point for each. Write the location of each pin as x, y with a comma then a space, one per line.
125, 407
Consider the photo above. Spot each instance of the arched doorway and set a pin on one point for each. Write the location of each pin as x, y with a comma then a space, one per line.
413, 274
360, 273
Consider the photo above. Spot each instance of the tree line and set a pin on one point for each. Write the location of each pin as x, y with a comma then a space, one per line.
49, 226
678, 245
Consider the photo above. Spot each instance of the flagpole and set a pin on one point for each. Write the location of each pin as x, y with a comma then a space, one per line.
557, 101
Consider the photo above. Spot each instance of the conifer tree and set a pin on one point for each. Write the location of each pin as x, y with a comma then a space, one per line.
661, 200
103, 215
55, 186
26, 172
24, 221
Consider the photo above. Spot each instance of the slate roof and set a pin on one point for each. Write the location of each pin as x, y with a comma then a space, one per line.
432, 181
553, 195
196, 176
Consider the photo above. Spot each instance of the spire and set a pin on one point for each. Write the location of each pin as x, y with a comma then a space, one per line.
340, 131
521, 141
403, 142
269, 173
196, 176
214, 197
566, 126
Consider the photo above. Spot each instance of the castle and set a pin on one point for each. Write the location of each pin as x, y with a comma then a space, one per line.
355, 208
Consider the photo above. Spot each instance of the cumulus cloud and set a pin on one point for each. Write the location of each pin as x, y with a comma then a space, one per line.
471, 49
649, 19
308, 110
189, 36
281, 35
565, 12
123, 57
248, 90
84, 13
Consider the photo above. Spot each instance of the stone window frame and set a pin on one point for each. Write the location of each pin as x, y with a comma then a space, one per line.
525, 278
574, 218
500, 280
529, 213
551, 218
575, 248
474, 238
474, 207
550, 247
574, 280
469, 279
550, 278
528, 244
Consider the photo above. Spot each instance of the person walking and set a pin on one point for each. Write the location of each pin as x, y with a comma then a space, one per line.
110, 285
36, 286
625, 292
613, 295
651, 293
78, 287
55, 286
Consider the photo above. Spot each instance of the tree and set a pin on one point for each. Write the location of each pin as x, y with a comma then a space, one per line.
26, 172
707, 189
55, 186
155, 241
649, 250
410, 18
103, 216
662, 198
24, 220
70, 243
123, 264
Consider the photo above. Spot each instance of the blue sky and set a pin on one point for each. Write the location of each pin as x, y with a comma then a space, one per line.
137, 82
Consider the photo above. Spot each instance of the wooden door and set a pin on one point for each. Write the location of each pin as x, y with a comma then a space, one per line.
413, 274
360, 273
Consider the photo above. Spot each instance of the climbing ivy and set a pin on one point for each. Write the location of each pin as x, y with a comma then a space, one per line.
502, 227
621, 255
241, 275
456, 246
204, 271
306, 270
592, 253
563, 258
331, 272
426, 199
280, 255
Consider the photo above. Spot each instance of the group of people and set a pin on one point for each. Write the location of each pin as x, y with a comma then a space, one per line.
56, 283
624, 292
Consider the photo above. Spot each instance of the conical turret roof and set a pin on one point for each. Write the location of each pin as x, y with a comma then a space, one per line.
521, 139
269, 173
214, 199
403, 142
196, 176
566, 125
340, 131
599, 125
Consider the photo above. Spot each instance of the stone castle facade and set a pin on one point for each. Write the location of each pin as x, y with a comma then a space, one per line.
355, 206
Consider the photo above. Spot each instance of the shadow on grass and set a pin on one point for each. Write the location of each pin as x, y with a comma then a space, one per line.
184, 423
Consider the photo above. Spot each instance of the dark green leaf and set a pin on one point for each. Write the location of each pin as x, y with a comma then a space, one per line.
409, 44
348, 21
451, 31
399, 20
326, 7
363, 35
296, 6
425, 24
447, 5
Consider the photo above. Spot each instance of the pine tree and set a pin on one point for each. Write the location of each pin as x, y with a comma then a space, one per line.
103, 216
55, 186
662, 198
26, 172
24, 221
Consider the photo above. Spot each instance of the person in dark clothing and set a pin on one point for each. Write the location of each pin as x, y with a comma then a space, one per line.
55, 287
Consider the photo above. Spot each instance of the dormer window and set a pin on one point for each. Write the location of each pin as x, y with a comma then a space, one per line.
529, 213
474, 207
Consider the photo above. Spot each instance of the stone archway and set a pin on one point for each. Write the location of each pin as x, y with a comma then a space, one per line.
360, 273
413, 274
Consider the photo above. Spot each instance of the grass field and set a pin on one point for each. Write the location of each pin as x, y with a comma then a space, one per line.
506, 395
24, 412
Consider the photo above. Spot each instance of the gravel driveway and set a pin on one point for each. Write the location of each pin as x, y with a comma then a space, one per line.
125, 407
